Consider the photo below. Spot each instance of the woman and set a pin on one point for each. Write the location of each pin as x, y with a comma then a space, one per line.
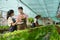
11, 21
35, 23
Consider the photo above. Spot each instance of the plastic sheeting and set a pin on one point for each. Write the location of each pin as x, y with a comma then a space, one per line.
6, 5
45, 8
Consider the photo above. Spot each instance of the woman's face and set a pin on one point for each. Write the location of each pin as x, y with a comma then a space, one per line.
38, 17
12, 14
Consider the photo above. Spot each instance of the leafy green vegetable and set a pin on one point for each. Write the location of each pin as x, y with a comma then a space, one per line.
33, 34
4, 27
30, 20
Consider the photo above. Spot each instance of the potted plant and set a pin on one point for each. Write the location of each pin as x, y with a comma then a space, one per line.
30, 21
58, 28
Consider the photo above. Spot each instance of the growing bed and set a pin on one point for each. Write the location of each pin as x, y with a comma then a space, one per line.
41, 33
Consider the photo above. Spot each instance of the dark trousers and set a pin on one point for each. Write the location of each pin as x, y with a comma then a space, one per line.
33, 25
12, 28
22, 26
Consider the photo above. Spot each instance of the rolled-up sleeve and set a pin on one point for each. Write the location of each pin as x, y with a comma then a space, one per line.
35, 20
10, 21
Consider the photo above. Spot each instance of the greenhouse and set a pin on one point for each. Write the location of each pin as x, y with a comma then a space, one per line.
29, 19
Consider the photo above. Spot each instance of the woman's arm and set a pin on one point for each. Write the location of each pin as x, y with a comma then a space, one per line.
13, 24
10, 22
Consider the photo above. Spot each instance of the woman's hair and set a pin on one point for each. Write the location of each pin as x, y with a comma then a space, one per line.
9, 13
38, 16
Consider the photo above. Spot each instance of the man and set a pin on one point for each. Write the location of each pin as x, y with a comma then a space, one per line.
21, 19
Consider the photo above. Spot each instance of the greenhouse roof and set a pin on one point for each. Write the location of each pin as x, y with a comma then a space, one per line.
46, 8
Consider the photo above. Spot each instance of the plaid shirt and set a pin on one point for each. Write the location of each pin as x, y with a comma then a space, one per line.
21, 16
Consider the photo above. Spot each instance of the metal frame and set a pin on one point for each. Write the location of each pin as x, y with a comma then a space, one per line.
46, 8
27, 6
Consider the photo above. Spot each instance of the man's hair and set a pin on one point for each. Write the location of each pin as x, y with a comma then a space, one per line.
20, 8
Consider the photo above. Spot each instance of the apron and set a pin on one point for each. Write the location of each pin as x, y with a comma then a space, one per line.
35, 24
13, 28
23, 25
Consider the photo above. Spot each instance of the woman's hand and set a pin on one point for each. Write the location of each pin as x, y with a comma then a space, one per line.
13, 24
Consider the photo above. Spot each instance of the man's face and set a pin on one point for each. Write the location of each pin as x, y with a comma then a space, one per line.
20, 10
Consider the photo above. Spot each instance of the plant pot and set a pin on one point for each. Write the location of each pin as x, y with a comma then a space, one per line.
3, 30
58, 29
